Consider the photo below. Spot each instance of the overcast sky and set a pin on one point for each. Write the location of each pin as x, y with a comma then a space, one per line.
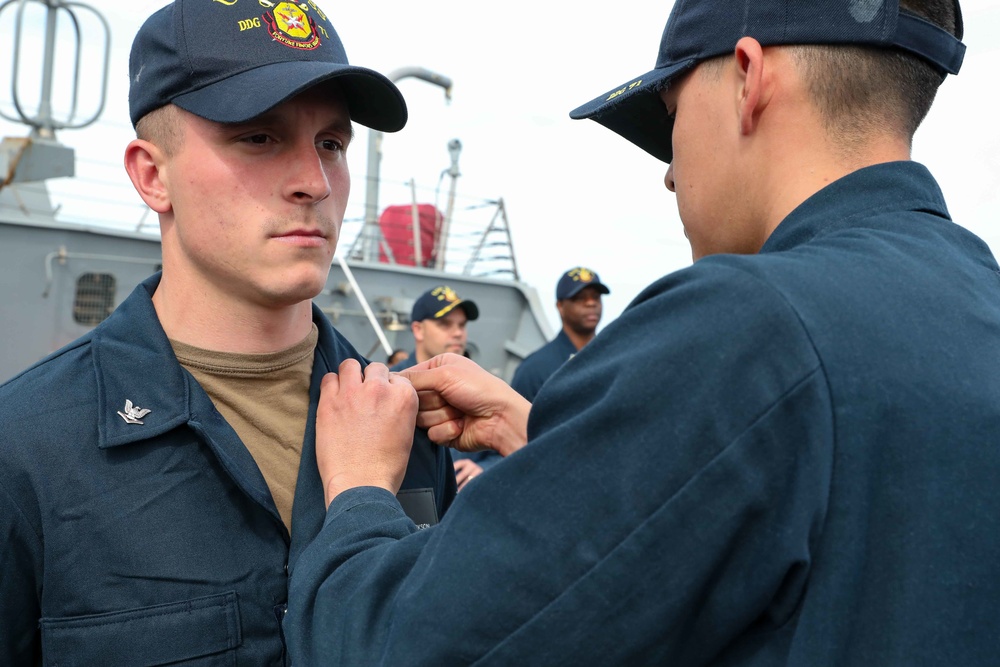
575, 193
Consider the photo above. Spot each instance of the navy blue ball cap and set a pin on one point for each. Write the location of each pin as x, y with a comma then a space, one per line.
437, 302
230, 62
574, 280
701, 29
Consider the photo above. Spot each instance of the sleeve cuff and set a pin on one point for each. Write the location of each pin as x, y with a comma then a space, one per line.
376, 503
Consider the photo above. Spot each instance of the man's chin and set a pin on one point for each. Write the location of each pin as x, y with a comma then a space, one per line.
295, 292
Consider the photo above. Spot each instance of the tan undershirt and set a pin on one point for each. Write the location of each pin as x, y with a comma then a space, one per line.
265, 398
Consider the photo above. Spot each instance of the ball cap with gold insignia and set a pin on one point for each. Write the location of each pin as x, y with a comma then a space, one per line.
574, 280
437, 302
229, 62
702, 29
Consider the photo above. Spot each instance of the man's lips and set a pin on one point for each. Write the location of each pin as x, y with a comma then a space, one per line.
302, 237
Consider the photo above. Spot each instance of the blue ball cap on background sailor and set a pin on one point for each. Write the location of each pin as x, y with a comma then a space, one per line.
437, 302
230, 62
574, 280
701, 29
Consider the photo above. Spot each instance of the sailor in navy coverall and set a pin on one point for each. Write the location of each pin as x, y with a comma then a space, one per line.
785, 454
138, 524
578, 299
438, 320
154, 542
822, 492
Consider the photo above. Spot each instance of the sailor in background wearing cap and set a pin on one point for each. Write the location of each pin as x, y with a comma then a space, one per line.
784, 454
158, 476
578, 299
438, 321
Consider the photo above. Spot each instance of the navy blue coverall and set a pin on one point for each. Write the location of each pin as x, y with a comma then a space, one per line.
539, 366
156, 542
789, 458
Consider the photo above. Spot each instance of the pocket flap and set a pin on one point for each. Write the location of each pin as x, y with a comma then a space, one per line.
154, 635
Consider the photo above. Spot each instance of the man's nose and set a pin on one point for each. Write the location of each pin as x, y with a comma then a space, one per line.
308, 179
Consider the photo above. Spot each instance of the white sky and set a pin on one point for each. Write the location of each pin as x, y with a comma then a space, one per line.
575, 193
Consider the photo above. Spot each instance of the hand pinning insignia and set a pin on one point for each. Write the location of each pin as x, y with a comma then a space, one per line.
133, 413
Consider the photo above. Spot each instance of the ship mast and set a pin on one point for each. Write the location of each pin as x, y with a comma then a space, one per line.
370, 234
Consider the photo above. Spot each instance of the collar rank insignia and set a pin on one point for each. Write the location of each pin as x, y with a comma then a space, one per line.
133, 413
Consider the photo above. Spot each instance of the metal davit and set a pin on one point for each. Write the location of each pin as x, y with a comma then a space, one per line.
40, 155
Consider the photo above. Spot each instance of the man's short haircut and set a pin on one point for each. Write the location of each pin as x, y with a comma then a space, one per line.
161, 127
861, 89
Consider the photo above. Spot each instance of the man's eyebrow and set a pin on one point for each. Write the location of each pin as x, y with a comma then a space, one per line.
343, 127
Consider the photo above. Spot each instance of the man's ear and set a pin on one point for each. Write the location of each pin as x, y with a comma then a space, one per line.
144, 162
417, 328
754, 93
